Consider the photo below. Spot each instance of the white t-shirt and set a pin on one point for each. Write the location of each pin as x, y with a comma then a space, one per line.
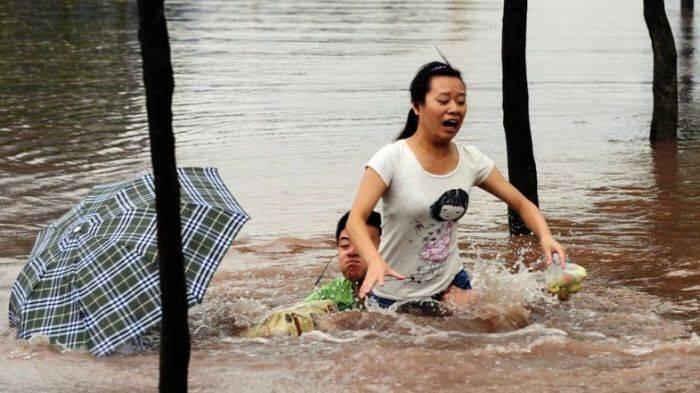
419, 215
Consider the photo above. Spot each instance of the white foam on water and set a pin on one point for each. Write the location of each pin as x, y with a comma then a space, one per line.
516, 347
499, 285
594, 335
687, 345
239, 340
36, 346
682, 273
534, 330
318, 335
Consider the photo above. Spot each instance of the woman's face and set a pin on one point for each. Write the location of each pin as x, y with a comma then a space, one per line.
444, 109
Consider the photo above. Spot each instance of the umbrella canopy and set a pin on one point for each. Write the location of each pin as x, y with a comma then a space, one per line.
92, 276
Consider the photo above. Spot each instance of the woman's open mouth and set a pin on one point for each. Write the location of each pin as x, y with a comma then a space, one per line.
451, 124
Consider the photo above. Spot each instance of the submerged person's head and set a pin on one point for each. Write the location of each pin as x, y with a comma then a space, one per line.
438, 101
350, 262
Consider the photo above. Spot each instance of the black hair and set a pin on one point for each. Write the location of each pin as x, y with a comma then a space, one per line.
374, 220
420, 87
456, 197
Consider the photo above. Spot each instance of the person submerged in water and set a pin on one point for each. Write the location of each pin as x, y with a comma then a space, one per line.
343, 290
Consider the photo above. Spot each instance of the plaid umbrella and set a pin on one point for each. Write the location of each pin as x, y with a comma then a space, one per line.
92, 276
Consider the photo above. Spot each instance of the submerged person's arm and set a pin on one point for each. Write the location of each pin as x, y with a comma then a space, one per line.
497, 185
372, 187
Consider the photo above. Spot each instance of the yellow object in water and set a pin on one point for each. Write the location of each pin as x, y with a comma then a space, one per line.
291, 321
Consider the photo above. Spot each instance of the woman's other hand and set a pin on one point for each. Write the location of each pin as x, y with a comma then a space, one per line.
549, 246
376, 271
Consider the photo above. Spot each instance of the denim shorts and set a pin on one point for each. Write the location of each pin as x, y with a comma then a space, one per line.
461, 281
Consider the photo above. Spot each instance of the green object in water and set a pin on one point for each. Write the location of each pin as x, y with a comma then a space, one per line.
340, 291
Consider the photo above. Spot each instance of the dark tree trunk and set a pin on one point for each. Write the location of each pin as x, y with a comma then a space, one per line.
687, 7
686, 63
158, 79
522, 171
664, 121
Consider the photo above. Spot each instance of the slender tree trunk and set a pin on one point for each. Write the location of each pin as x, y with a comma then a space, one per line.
687, 7
158, 79
686, 61
664, 121
522, 171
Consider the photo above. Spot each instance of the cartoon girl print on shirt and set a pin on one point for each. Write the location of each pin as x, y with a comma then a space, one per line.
449, 208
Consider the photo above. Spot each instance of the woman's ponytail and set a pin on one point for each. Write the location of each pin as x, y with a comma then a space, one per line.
410, 127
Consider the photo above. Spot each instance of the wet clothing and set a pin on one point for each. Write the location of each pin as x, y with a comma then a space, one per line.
340, 290
461, 280
420, 211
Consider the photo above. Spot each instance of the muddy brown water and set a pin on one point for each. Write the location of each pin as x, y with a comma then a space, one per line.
288, 99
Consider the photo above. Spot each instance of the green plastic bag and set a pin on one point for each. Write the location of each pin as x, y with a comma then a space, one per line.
340, 291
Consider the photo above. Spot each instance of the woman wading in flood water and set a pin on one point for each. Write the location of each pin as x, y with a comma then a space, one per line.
424, 180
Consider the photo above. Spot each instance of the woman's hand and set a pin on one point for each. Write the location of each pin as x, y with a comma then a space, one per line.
549, 246
375, 274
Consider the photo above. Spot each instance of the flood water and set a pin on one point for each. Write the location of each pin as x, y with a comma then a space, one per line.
289, 99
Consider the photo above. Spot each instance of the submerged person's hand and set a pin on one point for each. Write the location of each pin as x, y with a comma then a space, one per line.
376, 271
550, 246
461, 298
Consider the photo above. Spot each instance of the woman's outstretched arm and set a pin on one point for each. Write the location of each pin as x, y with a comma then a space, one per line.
497, 185
371, 188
